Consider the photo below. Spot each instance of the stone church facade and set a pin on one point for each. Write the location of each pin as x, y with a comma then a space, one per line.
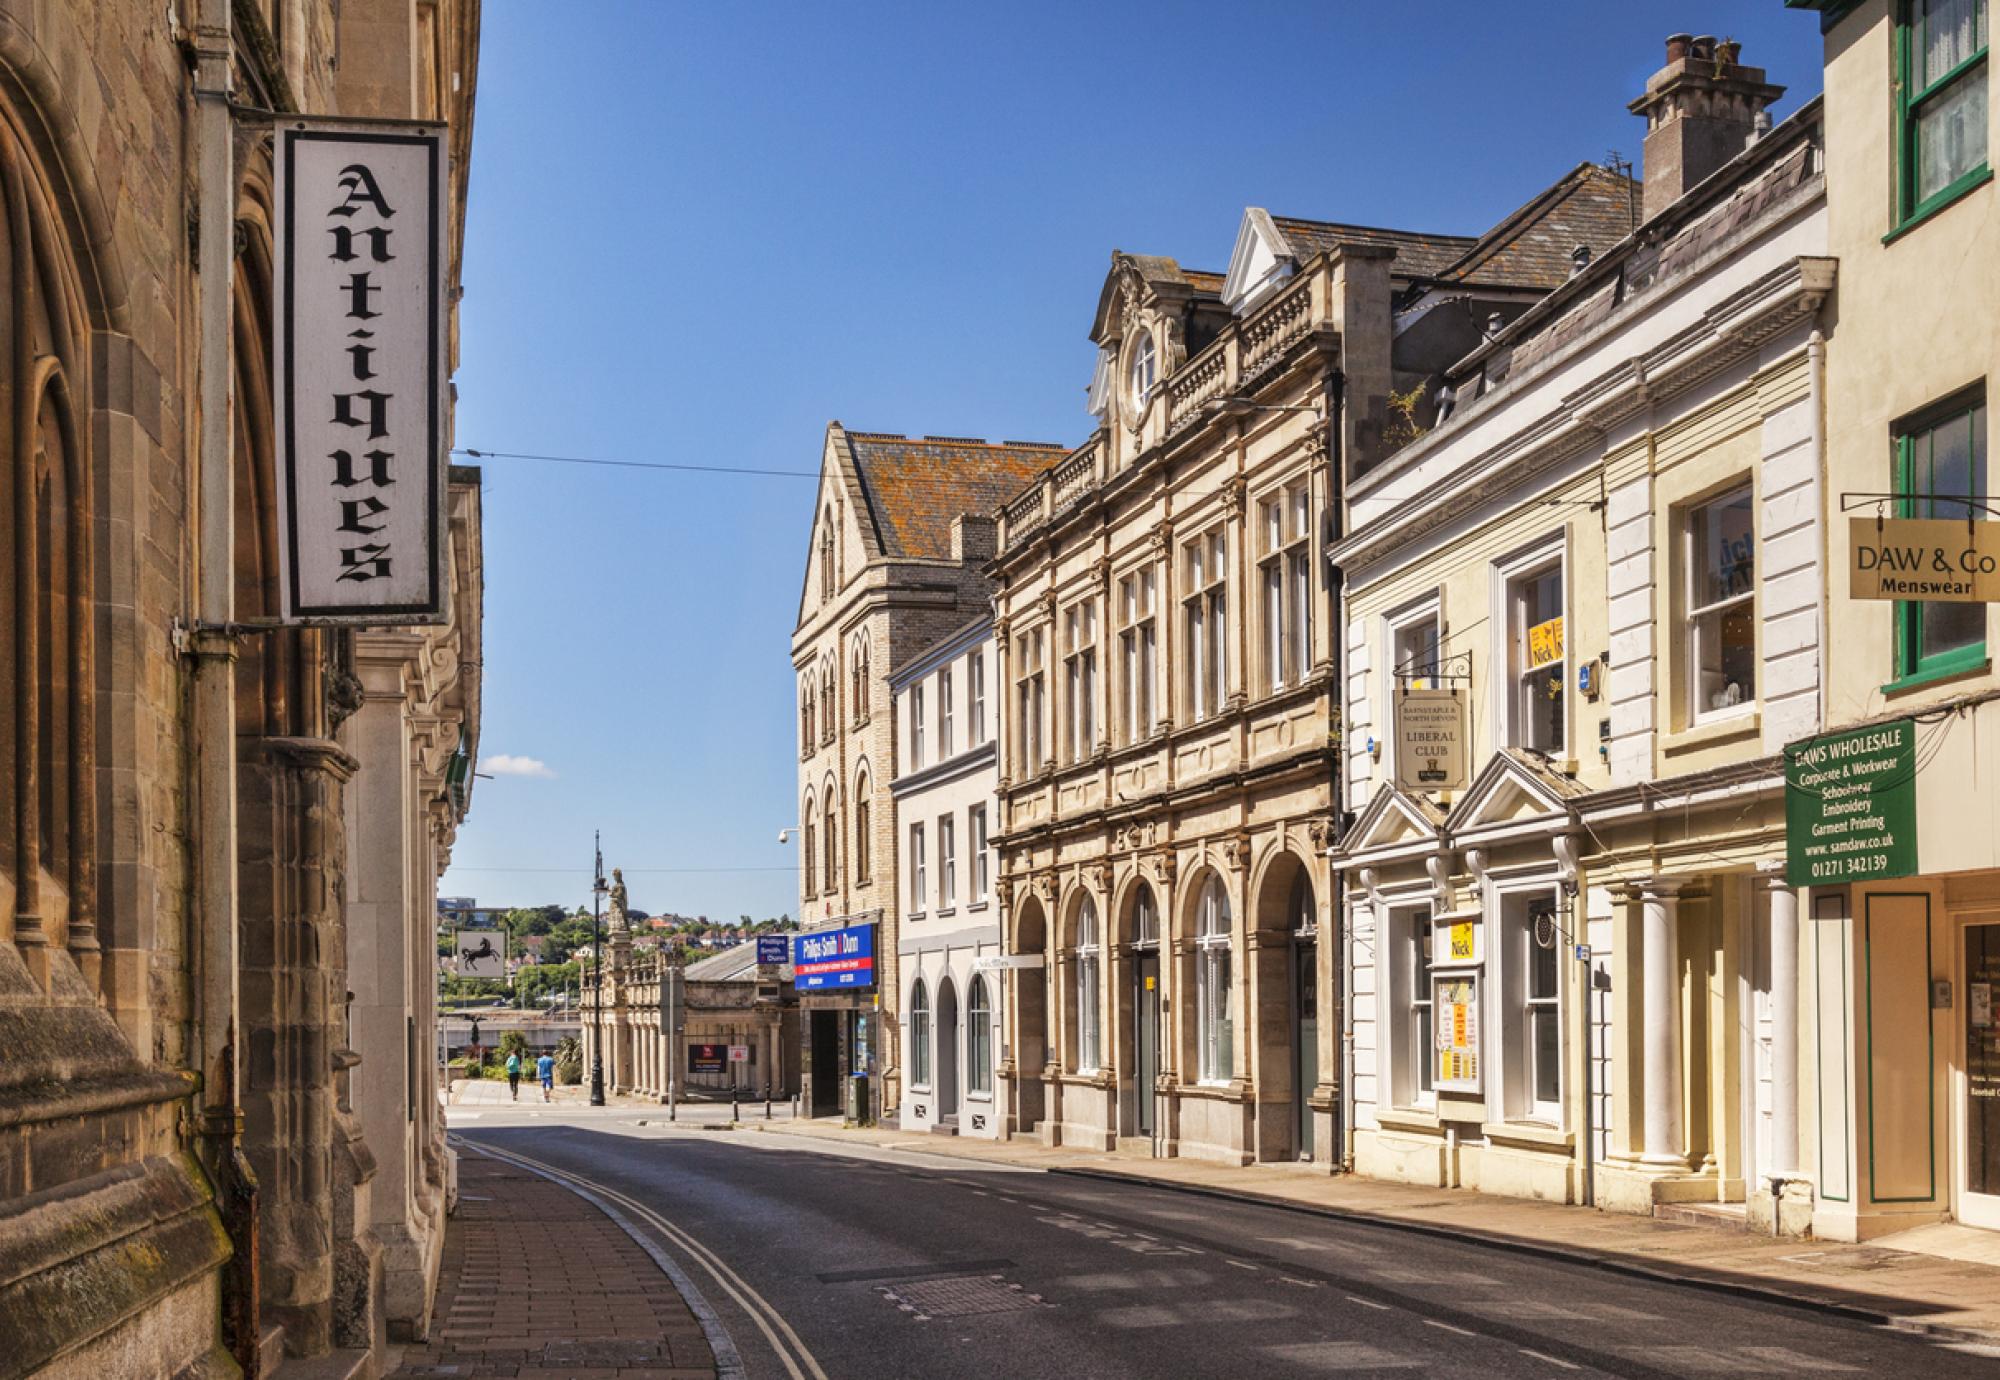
190, 1182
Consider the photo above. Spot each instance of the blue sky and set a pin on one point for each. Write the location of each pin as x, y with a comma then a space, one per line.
698, 232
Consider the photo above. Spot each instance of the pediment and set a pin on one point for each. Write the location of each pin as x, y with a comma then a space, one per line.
1260, 261
1393, 818
1511, 788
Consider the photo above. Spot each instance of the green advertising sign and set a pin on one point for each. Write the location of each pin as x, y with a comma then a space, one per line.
1851, 806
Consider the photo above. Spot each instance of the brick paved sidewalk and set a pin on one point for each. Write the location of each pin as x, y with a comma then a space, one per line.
538, 1284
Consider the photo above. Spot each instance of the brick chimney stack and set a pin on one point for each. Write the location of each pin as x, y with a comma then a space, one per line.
1701, 110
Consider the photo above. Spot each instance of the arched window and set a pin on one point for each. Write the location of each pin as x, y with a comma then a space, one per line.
806, 738
1216, 1024
1143, 372
920, 1035
1145, 919
979, 1038
1087, 985
826, 556
831, 842
811, 836
857, 665
859, 846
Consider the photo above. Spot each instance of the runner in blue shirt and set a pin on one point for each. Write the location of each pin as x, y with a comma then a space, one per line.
545, 1069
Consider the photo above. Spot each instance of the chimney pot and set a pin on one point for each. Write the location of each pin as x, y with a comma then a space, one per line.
1699, 114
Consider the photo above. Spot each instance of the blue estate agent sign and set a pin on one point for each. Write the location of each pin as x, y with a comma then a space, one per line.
830, 959
773, 948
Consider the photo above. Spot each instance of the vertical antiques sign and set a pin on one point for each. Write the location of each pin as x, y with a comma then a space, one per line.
1851, 806
1430, 740
358, 362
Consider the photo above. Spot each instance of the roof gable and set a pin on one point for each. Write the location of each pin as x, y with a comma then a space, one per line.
1514, 787
1259, 262
1392, 819
914, 487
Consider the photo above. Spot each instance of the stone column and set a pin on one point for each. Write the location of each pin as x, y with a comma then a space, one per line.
1784, 1024
1661, 1008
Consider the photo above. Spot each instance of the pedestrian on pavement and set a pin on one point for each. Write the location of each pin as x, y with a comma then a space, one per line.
514, 1075
545, 1069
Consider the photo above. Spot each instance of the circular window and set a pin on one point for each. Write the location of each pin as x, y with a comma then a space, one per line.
1141, 371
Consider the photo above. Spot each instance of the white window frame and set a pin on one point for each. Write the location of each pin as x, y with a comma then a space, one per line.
975, 673
1687, 517
1142, 373
1508, 618
916, 718
1284, 529
1511, 917
1412, 1005
1080, 678
1215, 1000
1031, 694
979, 1037
1138, 652
920, 1037
1088, 988
918, 878
977, 818
947, 862
1205, 614
944, 708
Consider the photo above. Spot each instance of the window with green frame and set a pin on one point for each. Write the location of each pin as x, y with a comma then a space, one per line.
1941, 471
1942, 106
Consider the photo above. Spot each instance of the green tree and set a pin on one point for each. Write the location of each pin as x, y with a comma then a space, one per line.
513, 1042
569, 1060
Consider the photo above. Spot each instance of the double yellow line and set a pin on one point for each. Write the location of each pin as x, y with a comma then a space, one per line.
798, 1361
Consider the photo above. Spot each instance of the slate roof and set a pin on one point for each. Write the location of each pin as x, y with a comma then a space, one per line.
915, 486
1531, 247
1417, 255
1204, 282
735, 964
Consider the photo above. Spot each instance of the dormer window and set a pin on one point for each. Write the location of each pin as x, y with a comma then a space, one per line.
1142, 372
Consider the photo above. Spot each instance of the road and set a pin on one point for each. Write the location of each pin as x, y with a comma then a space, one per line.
842, 1261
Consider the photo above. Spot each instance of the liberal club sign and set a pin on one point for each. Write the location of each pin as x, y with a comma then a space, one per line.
358, 357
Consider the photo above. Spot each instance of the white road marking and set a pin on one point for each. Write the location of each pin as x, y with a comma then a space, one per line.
1552, 1360
1447, 1327
1369, 1303
1241, 1264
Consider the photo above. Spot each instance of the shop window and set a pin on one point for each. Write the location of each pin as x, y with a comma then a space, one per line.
1941, 471
1536, 659
979, 1037
1721, 557
1942, 102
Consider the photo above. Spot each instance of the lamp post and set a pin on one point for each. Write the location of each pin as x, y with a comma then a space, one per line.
597, 890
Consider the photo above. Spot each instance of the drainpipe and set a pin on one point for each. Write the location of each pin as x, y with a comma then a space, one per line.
1336, 394
213, 648
1816, 407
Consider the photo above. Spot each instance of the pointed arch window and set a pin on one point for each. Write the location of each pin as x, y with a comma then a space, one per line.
826, 556
830, 841
812, 838
861, 846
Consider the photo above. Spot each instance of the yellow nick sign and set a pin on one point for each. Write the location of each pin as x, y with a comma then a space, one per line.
1936, 560
1545, 644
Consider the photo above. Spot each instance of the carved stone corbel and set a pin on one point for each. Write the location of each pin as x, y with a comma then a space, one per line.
1236, 852
1165, 866
1324, 831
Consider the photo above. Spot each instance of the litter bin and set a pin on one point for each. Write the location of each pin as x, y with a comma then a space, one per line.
857, 1099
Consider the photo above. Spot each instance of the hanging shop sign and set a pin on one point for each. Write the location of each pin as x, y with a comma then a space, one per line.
479, 953
1455, 1002
827, 960
358, 362
774, 950
1937, 560
1851, 806
1430, 741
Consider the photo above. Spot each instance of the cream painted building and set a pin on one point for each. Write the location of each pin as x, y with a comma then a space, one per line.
1575, 960
1900, 973
898, 555
947, 735
1171, 670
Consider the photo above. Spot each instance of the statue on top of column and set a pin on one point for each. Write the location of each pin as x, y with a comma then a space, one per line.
620, 921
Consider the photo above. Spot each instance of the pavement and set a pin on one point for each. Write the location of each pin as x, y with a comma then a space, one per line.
1942, 1280
825, 1253
538, 1284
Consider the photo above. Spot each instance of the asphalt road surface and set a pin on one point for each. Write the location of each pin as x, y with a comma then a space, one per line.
824, 1261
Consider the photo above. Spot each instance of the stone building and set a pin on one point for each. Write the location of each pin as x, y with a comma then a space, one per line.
1902, 959
185, 1173
1605, 563
900, 541
1170, 651
665, 1028
947, 764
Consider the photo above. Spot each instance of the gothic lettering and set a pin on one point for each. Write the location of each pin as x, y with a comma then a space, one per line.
364, 562
359, 184
353, 510
378, 468
377, 405
343, 243
358, 290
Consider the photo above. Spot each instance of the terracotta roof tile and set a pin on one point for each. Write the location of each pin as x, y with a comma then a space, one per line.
916, 486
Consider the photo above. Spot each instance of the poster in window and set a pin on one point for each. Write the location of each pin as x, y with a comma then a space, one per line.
1545, 643
1456, 1001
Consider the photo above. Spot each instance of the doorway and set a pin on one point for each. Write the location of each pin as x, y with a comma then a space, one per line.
1145, 1038
947, 1056
824, 1058
1305, 967
1978, 1093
